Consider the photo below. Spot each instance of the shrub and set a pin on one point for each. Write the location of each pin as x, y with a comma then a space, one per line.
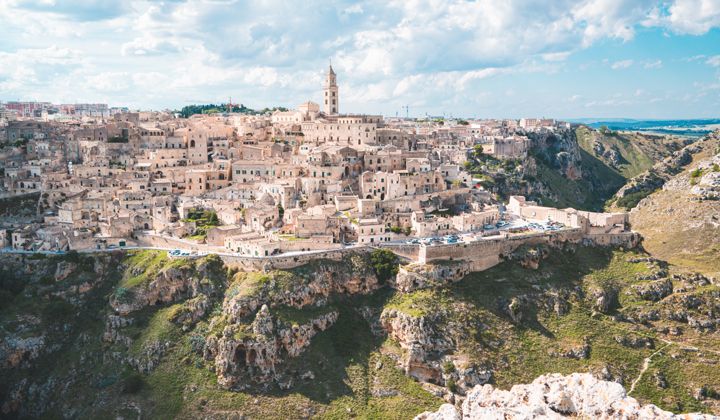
57, 311
631, 200
72, 256
451, 385
384, 264
123, 294
132, 383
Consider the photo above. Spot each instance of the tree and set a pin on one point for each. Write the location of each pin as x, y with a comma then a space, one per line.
384, 264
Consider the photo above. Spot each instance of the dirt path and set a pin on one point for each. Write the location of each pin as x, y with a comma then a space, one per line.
646, 365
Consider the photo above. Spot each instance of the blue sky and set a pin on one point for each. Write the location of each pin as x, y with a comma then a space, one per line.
485, 58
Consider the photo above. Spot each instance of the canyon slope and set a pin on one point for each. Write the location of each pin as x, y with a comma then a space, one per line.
680, 216
109, 335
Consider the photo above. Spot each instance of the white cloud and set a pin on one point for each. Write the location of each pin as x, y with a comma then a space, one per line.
622, 64
693, 17
444, 52
713, 61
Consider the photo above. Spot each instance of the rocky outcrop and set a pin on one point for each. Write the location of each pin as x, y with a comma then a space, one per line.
258, 353
299, 288
514, 310
554, 396
603, 299
423, 343
656, 177
19, 352
654, 290
560, 149
422, 276
191, 311
171, 284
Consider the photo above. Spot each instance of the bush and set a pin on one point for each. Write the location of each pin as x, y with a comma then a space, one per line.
72, 256
384, 264
57, 311
451, 385
11, 283
6, 298
631, 200
123, 294
132, 383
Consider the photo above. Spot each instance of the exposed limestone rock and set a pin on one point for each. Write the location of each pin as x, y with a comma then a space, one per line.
171, 284
423, 345
19, 352
445, 412
554, 397
191, 310
655, 290
64, 270
422, 276
352, 276
257, 354
112, 334
461, 376
514, 309
603, 300
150, 356
634, 341
579, 352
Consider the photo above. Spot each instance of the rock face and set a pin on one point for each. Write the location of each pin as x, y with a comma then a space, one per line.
554, 396
257, 354
171, 284
422, 276
354, 276
19, 352
655, 290
423, 344
562, 149
656, 177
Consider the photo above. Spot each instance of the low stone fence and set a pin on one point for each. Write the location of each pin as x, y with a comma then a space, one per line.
156, 241
275, 262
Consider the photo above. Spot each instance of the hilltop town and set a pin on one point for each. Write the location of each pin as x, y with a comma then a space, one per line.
277, 183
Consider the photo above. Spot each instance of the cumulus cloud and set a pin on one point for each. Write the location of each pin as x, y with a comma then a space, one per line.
693, 17
393, 52
622, 64
713, 61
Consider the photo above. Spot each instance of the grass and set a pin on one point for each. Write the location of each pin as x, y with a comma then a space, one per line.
638, 152
299, 316
344, 359
156, 327
352, 368
143, 266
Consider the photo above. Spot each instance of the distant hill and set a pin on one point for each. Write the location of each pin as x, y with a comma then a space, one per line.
680, 222
583, 168
694, 127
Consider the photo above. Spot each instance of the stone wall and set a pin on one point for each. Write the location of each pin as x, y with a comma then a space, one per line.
486, 253
165, 242
245, 263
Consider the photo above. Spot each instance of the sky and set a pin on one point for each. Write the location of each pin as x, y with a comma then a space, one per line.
486, 58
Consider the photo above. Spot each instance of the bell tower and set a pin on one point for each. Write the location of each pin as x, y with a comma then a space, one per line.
331, 104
